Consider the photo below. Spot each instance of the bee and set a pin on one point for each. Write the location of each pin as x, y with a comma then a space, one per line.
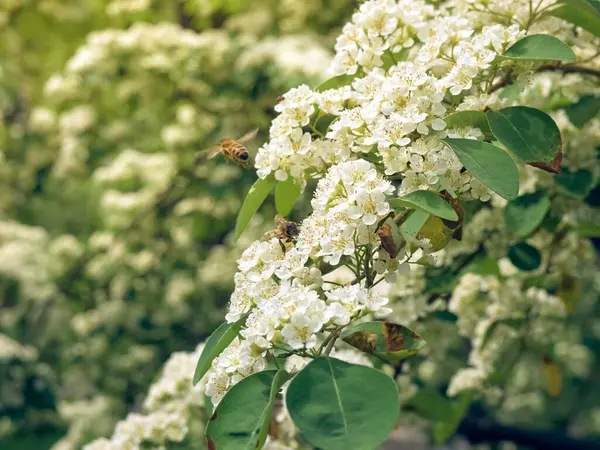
232, 149
285, 230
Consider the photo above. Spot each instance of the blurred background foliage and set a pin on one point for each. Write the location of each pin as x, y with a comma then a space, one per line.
115, 250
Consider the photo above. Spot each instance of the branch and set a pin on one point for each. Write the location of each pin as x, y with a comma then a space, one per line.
508, 78
482, 430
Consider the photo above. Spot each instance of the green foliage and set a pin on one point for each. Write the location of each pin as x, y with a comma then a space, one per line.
525, 214
286, 195
525, 256
578, 183
241, 420
257, 194
387, 341
584, 110
489, 164
442, 431
528, 133
540, 47
514, 323
216, 343
475, 119
413, 223
427, 201
337, 405
336, 82
582, 13
431, 405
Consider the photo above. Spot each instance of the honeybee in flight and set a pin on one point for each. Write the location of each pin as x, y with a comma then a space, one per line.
232, 149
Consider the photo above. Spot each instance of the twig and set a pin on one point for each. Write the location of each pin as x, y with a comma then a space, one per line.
508, 78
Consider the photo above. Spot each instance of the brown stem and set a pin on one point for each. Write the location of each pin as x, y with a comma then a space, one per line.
508, 78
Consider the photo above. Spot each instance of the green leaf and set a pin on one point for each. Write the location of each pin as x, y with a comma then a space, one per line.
529, 133
538, 47
442, 431
336, 82
216, 343
524, 256
584, 110
256, 196
588, 229
413, 224
475, 119
241, 420
525, 214
427, 201
515, 323
491, 165
582, 13
286, 194
432, 406
385, 340
341, 406
483, 265
511, 92
579, 183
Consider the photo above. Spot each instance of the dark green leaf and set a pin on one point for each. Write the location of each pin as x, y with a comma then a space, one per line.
341, 406
387, 341
511, 92
582, 13
286, 194
540, 47
578, 184
427, 201
442, 431
241, 420
216, 343
432, 406
514, 323
529, 133
413, 224
475, 119
336, 82
491, 165
525, 214
255, 198
524, 256
584, 110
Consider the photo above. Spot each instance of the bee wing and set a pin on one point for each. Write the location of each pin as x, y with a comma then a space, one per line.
207, 153
248, 136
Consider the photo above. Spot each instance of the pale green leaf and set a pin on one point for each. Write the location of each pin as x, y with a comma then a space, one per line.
286, 194
476, 119
584, 110
215, 344
258, 193
427, 201
413, 224
335, 82
540, 47
582, 13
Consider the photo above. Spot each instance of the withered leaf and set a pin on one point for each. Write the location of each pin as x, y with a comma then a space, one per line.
553, 166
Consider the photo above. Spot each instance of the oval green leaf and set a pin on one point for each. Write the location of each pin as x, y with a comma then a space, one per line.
524, 256
215, 344
538, 47
286, 194
432, 406
577, 183
582, 13
474, 119
525, 214
584, 110
413, 223
387, 341
529, 133
427, 201
336, 82
341, 406
241, 420
442, 431
255, 198
491, 165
